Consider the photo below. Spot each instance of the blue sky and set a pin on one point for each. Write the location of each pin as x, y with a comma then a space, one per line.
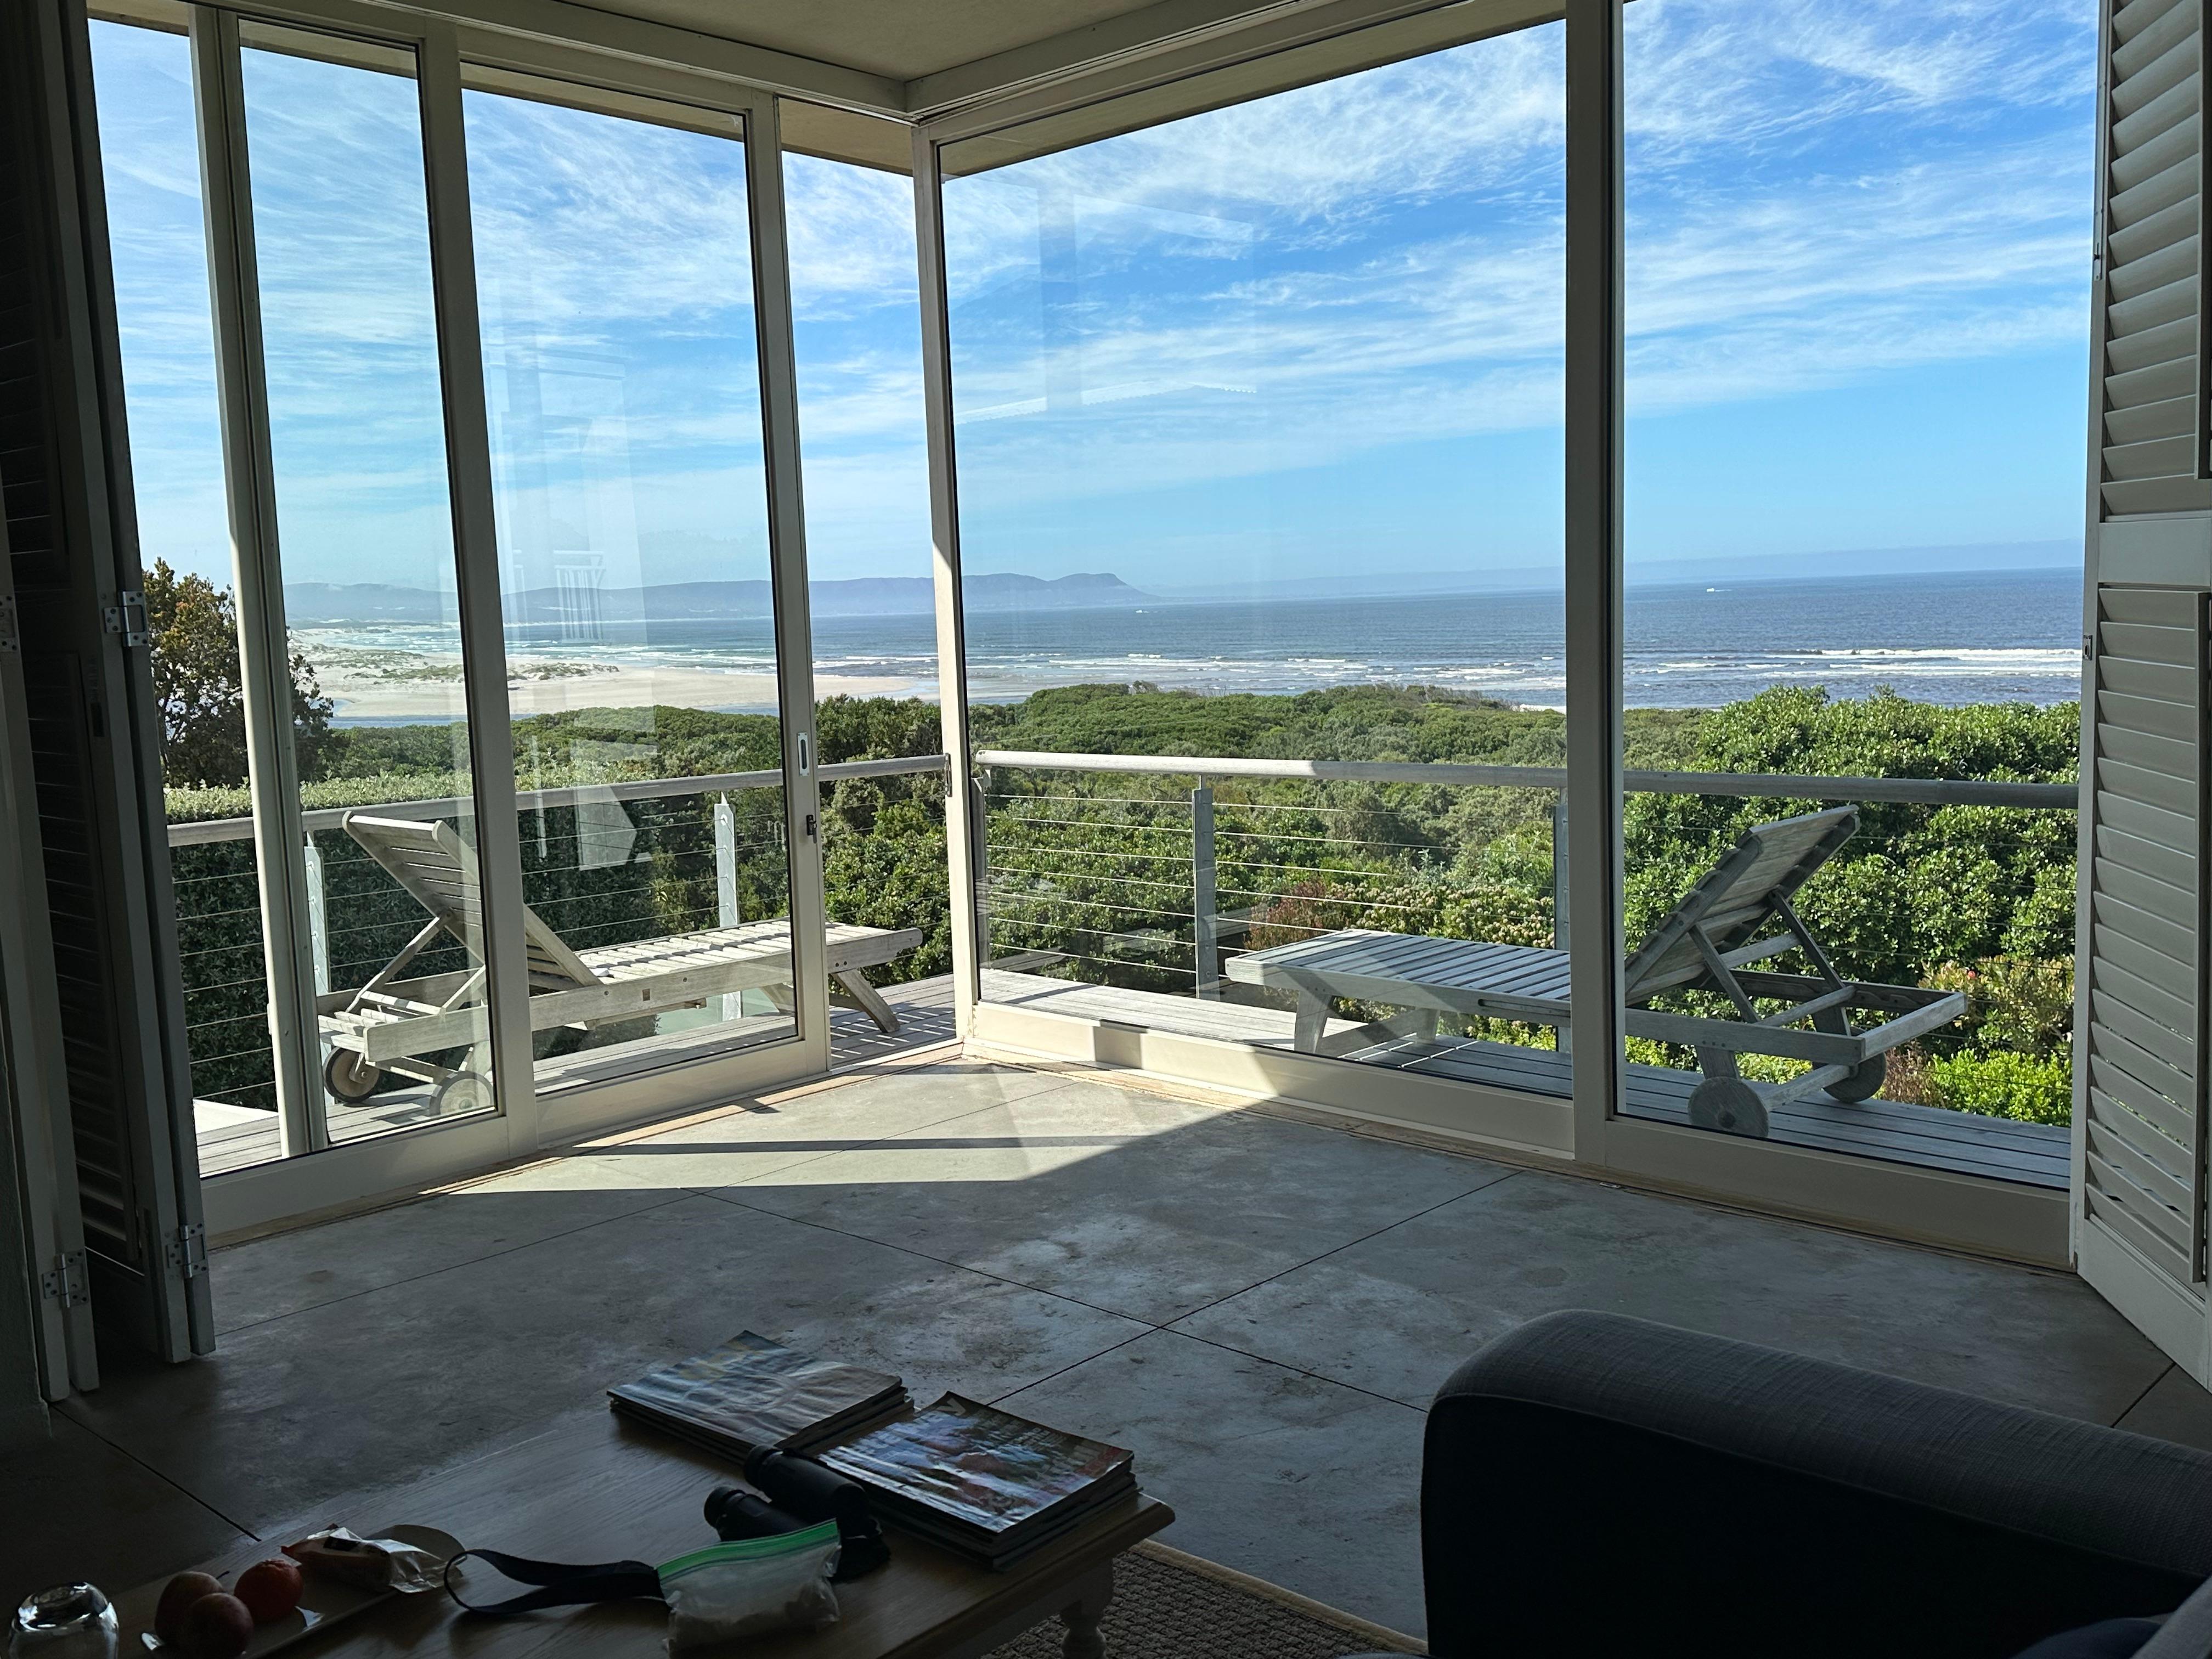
1324, 330
1318, 331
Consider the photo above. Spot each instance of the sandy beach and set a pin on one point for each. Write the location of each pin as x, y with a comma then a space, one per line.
430, 690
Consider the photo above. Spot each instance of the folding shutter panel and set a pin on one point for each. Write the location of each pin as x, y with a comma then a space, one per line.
94, 731
2155, 457
2140, 1190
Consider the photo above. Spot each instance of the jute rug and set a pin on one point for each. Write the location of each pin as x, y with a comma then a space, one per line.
1168, 1604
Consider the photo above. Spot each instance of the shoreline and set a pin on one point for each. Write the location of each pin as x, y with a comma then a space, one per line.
371, 699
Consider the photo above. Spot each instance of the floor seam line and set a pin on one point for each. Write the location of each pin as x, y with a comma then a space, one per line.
1299, 1371
674, 1196
2170, 1368
1115, 1347
1348, 1244
941, 1260
166, 1480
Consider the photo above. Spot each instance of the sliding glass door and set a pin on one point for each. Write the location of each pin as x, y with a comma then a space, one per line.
1256, 436
367, 586
490, 732
1544, 564
614, 283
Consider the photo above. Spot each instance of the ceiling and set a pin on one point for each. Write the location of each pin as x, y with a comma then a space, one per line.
901, 39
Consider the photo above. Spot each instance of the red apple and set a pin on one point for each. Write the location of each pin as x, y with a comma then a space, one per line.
215, 1627
178, 1594
269, 1589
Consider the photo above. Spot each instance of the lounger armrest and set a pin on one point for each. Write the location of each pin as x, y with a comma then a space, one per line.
1598, 1484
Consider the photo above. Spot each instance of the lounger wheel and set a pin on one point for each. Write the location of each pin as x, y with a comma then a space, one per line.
464, 1091
349, 1076
1730, 1105
1864, 1082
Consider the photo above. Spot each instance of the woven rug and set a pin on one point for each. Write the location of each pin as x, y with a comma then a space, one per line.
1168, 1604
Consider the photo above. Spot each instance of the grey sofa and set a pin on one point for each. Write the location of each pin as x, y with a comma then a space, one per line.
1598, 1485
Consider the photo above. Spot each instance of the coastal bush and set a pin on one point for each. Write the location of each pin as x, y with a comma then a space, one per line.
2003, 1084
1096, 867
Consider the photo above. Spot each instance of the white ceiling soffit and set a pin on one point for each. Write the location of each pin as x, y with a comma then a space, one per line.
1320, 44
866, 67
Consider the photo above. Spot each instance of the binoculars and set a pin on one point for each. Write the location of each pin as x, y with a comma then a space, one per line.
798, 1493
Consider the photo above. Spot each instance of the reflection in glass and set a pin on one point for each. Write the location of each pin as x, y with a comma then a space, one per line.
142, 79
613, 260
1258, 443
364, 518
1857, 344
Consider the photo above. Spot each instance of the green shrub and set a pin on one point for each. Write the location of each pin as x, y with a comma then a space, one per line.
2003, 1083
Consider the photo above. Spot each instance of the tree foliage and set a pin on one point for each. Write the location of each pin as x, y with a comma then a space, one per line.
198, 688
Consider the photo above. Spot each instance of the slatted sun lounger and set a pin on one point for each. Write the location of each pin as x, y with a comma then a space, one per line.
391, 1023
1738, 916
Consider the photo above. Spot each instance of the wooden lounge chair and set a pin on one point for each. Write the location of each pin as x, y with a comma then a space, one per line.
391, 1023
1739, 914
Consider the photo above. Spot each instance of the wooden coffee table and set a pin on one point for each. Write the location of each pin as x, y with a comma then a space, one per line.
595, 1488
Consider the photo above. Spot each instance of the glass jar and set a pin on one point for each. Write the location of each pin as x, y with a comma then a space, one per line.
70, 1621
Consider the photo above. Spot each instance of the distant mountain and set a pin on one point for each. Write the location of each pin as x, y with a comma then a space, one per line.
1780, 567
309, 605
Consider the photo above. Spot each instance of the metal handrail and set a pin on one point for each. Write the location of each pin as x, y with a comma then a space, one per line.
1919, 792
333, 818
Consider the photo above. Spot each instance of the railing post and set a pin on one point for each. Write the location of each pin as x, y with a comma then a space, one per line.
318, 919
1205, 919
725, 890
726, 864
979, 793
1564, 1034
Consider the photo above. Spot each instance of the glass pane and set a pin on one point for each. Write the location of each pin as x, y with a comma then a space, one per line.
149, 157
357, 433
857, 328
1259, 450
1858, 344
613, 276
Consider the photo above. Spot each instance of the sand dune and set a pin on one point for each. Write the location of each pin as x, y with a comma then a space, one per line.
372, 692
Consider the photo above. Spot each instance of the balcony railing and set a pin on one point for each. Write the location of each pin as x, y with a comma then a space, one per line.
714, 863
1211, 925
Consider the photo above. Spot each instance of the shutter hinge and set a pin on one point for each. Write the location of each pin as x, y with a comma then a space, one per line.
2088, 647
11, 631
66, 1281
127, 616
187, 1251
813, 831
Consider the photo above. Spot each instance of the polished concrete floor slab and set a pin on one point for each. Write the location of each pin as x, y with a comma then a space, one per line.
1127, 1200
1445, 1282
1259, 1307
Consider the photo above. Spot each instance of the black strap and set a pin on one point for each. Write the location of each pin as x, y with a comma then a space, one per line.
565, 1585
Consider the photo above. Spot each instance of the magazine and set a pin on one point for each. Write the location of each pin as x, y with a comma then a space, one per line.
752, 1392
979, 1478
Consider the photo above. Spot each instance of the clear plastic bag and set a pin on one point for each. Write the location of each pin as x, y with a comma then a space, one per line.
754, 1585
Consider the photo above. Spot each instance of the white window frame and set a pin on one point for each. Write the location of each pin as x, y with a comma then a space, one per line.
448, 58
1591, 1132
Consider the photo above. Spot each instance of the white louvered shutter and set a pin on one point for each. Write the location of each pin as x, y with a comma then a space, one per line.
2140, 1216
2153, 442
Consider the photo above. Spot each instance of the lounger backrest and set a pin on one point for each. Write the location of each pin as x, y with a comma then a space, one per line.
1735, 901
439, 870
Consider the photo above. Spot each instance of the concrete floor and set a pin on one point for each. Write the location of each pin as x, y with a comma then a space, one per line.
1258, 1306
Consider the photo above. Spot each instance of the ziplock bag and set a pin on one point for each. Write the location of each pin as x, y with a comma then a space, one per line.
726, 1590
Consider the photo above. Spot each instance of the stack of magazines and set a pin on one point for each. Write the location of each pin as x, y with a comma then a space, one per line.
752, 1394
983, 1482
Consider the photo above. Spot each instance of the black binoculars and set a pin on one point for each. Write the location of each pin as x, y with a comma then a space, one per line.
795, 1493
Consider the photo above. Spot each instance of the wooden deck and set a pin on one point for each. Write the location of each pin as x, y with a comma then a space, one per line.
236, 1137
2034, 1154
1900, 1132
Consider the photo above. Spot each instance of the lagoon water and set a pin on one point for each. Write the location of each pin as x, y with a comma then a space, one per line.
1941, 638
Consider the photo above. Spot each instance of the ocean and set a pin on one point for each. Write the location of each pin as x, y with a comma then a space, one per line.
1940, 638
